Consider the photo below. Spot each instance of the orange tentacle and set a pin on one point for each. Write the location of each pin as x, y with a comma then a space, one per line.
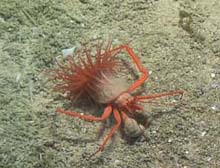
105, 115
114, 129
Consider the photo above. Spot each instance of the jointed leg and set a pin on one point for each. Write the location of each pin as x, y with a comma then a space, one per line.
106, 114
102, 128
135, 58
158, 95
114, 129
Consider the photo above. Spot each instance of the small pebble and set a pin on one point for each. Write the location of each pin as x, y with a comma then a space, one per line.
154, 132
117, 161
213, 75
203, 133
209, 159
84, 130
213, 108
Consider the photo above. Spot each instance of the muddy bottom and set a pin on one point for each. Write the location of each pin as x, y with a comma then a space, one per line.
178, 41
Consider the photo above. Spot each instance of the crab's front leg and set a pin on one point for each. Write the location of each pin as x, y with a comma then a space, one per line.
140, 67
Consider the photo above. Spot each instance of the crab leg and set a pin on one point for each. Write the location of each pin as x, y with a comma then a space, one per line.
143, 70
158, 95
105, 115
114, 129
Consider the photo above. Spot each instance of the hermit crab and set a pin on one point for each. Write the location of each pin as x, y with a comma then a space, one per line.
95, 77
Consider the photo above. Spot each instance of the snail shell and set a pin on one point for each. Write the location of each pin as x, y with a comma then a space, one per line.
132, 128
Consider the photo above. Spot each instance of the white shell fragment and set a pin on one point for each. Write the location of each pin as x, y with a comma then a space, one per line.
213, 75
68, 51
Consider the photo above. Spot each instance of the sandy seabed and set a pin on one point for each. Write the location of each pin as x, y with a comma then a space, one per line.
177, 40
